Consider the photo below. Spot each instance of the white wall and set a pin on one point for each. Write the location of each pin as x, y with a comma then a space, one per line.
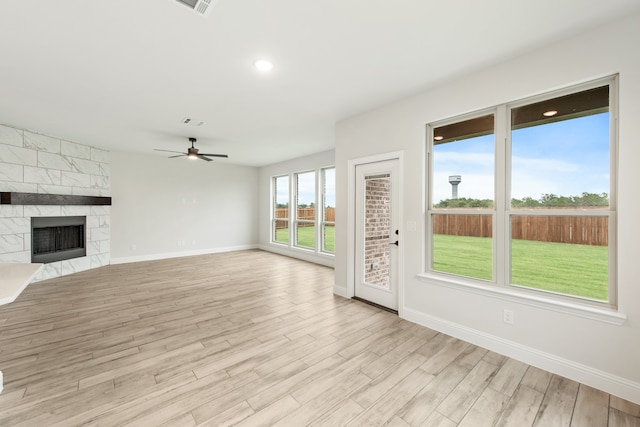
177, 207
301, 164
592, 351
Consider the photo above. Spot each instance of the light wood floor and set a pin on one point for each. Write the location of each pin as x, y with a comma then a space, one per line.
253, 338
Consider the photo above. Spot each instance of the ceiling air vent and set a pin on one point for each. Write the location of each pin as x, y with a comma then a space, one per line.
192, 122
201, 7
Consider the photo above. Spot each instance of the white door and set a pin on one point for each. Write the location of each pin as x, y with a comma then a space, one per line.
377, 235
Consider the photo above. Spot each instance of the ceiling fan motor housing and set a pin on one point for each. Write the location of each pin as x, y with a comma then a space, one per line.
194, 153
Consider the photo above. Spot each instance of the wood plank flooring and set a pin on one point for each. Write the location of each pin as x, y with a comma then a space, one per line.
252, 338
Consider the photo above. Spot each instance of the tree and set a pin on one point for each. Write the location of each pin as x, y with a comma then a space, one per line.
586, 199
592, 199
548, 200
464, 202
525, 202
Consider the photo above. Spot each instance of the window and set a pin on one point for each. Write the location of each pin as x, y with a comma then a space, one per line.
280, 219
328, 209
305, 218
528, 204
462, 217
304, 226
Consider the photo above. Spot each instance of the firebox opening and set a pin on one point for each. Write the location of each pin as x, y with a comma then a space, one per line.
57, 238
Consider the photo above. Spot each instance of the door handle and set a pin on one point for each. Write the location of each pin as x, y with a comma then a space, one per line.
394, 243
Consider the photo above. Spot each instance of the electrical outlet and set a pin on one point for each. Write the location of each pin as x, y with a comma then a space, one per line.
508, 317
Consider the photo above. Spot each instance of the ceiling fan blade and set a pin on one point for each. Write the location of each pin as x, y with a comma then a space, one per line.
214, 155
200, 156
168, 151
173, 157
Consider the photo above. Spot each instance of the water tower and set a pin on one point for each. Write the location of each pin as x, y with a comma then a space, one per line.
454, 180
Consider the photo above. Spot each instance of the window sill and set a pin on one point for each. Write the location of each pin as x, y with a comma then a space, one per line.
600, 314
303, 249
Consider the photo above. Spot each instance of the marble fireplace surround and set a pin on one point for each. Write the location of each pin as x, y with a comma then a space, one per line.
45, 176
14, 277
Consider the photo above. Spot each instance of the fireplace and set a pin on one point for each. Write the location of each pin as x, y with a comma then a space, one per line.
57, 238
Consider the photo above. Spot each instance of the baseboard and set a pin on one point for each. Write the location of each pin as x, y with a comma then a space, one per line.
613, 384
340, 291
326, 260
154, 257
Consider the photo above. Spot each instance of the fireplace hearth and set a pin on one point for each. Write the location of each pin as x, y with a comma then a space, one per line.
57, 238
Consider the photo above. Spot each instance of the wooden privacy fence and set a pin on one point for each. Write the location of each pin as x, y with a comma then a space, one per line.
308, 214
582, 230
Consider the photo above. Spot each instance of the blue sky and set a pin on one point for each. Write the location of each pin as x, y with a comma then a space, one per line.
565, 158
330, 187
307, 188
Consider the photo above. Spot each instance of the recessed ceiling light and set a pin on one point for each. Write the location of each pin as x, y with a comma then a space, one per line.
438, 138
550, 113
263, 65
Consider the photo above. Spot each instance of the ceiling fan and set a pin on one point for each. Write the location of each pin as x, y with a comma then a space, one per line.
193, 153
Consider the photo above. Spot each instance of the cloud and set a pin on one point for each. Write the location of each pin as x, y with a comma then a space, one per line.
565, 158
452, 161
534, 177
282, 189
306, 187
544, 165
531, 177
475, 186
476, 169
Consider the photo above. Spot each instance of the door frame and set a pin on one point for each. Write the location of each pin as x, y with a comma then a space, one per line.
351, 221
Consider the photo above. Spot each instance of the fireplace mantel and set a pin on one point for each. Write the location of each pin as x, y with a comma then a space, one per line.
15, 198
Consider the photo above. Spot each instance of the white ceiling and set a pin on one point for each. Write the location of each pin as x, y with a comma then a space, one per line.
121, 74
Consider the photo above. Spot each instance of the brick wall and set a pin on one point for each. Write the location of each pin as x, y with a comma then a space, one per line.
377, 224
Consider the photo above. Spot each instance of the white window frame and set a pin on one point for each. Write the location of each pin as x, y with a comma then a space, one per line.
296, 221
323, 221
274, 203
292, 219
500, 285
431, 211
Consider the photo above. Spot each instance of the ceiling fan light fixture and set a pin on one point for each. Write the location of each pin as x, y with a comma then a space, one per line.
194, 153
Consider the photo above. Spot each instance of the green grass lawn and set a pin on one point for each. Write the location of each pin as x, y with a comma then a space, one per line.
307, 237
580, 270
329, 238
